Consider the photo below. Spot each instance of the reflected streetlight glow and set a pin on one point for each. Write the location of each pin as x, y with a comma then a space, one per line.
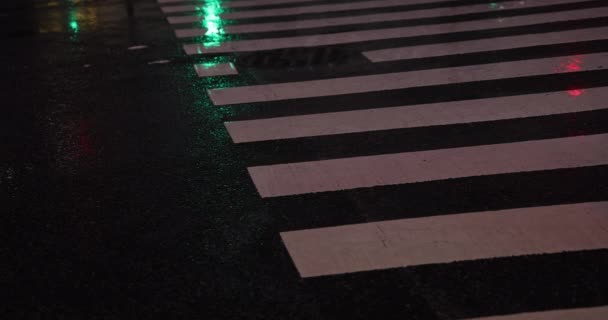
213, 23
573, 64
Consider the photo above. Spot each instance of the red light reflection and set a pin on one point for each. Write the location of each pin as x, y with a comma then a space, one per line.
575, 92
572, 64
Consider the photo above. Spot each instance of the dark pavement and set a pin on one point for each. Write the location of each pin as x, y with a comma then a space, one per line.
124, 196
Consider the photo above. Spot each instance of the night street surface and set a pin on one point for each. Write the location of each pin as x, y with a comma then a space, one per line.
184, 160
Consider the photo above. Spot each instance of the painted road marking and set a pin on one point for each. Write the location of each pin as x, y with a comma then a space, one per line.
391, 33
408, 79
237, 4
596, 313
137, 47
190, 33
362, 19
411, 167
305, 9
501, 43
435, 114
215, 69
444, 239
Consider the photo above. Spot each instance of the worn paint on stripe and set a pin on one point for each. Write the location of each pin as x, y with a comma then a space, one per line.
408, 79
435, 114
215, 69
364, 19
411, 167
444, 239
596, 313
391, 33
306, 9
501, 43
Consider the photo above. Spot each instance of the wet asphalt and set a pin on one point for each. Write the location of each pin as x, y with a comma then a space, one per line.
123, 196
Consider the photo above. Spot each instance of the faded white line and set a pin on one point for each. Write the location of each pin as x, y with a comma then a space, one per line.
137, 47
411, 167
190, 33
305, 9
409, 79
391, 33
501, 43
435, 114
444, 239
215, 69
363, 19
594, 313
161, 61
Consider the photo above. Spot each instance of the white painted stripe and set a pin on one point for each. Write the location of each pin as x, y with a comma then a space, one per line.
190, 33
501, 43
363, 19
392, 33
435, 114
408, 79
215, 69
183, 8
185, 19
444, 239
237, 4
306, 9
595, 313
410, 167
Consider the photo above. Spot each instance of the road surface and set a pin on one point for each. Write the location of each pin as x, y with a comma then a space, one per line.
305, 159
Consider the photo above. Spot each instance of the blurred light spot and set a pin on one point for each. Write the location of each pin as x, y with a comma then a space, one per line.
207, 65
576, 92
74, 26
213, 23
572, 64
573, 67
212, 69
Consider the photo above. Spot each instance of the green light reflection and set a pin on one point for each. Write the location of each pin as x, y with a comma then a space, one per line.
216, 82
74, 26
213, 23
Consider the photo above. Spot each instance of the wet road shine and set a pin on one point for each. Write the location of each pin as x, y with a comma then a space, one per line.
305, 159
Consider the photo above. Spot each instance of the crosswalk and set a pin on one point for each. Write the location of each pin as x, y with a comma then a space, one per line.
419, 49
215, 69
404, 80
415, 116
389, 33
442, 239
410, 167
484, 45
303, 9
597, 313
367, 18
349, 20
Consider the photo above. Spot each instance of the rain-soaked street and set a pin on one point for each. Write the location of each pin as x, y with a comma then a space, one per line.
304, 159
